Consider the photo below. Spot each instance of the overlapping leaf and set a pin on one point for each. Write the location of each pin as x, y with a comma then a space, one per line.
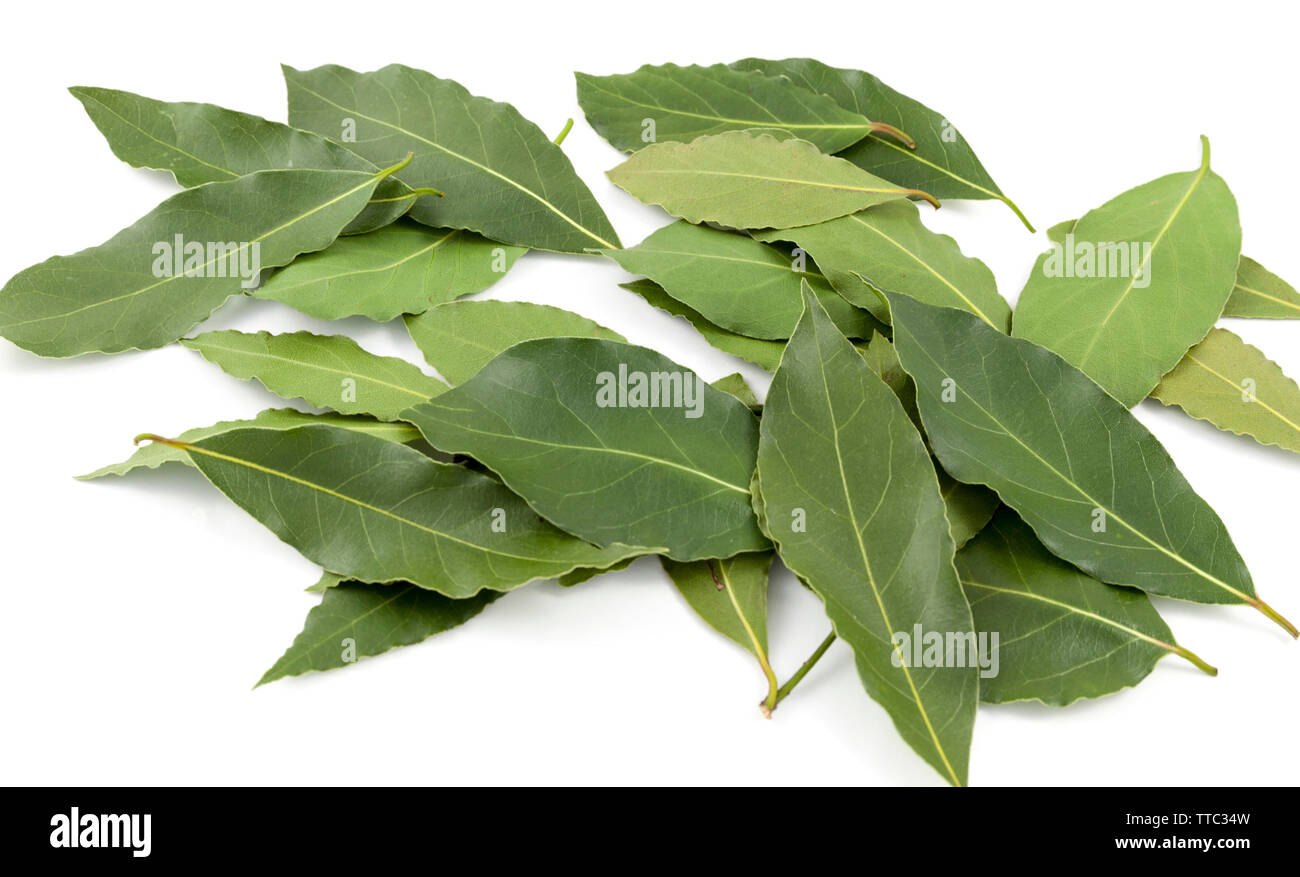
357, 620
328, 371
888, 248
153, 455
942, 162
1261, 294
203, 143
1137, 281
853, 505
1229, 383
736, 282
611, 442
405, 268
502, 176
744, 179
731, 596
668, 102
1096, 486
1062, 635
144, 288
380, 512
459, 338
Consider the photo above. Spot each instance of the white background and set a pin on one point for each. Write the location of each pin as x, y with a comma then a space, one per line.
137, 613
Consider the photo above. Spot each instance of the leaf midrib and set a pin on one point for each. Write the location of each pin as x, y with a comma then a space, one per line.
975, 309
752, 123
371, 180
311, 485
601, 450
871, 579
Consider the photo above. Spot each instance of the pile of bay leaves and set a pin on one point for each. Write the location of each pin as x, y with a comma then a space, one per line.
970, 496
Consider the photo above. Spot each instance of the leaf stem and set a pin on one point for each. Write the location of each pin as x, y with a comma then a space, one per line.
568, 126
899, 135
1190, 656
1275, 616
722, 583
794, 680
1012, 204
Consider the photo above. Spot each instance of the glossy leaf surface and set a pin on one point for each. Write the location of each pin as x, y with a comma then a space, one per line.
562, 421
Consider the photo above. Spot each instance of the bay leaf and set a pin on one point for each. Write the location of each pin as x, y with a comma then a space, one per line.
734, 385
459, 338
734, 281
153, 455
587, 573
376, 511
670, 102
404, 268
888, 249
853, 505
1261, 294
357, 620
553, 418
1062, 634
203, 143
1234, 386
1170, 250
765, 354
328, 371
941, 161
503, 177
111, 298
326, 581
746, 180
1097, 487
730, 595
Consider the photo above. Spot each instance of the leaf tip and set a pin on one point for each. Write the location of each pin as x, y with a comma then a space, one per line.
1205, 152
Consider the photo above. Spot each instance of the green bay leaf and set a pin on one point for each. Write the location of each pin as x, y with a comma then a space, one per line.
126, 294
357, 620
380, 512
203, 143
1261, 294
328, 371
151, 456
747, 180
942, 162
502, 176
734, 281
561, 422
1097, 487
1233, 385
853, 505
1163, 263
730, 595
682, 103
1062, 634
888, 249
405, 268
459, 338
